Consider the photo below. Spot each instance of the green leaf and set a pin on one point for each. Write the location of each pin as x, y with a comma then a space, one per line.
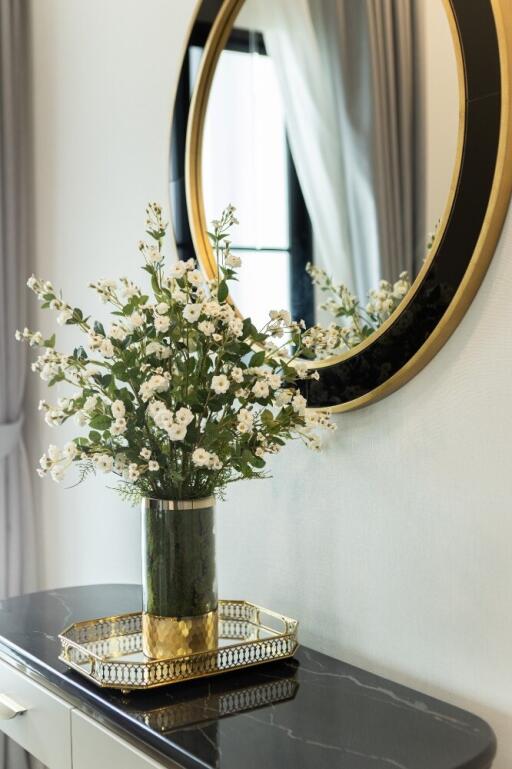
247, 456
50, 343
98, 327
223, 292
94, 437
249, 329
100, 422
79, 353
258, 359
154, 284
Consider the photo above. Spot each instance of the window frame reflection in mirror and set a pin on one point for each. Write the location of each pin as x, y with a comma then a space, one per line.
300, 246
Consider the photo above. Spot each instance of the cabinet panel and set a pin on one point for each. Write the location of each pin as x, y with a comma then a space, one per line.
43, 725
95, 746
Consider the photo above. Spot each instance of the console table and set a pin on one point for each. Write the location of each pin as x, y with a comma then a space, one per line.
311, 712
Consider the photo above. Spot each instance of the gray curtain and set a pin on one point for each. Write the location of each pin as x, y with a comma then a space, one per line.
350, 75
17, 551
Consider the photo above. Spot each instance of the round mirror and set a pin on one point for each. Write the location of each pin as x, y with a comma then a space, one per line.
332, 126
370, 140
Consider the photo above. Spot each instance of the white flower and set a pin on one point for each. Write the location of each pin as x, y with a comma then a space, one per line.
220, 384
129, 289
64, 316
45, 462
153, 255
153, 466
233, 261
104, 463
194, 277
107, 348
281, 315
162, 308
260, 389
32, 282
212, 309
158, 383
120, 463
137, 319
206, 327
177, 432
245, 421
236, 326
242, 393
70, 450
178, 270
133, 472
301, 369
155, 407
192, 312
54, 453
90, 403
200, 458
184, 416
53, 417
179, 296
81, 418
145, 391
275, 381
161, 323
94, 340
119, 426
118, 332
299, 403
145, 454
237, 375
57, 474
283, 397
118, 409
214, 462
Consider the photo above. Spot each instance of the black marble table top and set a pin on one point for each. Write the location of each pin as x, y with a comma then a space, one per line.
311, 712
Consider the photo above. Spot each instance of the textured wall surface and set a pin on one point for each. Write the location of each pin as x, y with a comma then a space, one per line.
393, 547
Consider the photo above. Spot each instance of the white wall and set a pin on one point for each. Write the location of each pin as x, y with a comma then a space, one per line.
393, 547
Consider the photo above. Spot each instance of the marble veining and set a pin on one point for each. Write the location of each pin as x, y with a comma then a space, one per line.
311, 712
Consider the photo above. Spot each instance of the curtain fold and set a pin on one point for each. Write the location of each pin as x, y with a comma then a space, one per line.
349, 73
17, 539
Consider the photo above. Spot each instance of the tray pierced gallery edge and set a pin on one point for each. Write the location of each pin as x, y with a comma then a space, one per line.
108, 651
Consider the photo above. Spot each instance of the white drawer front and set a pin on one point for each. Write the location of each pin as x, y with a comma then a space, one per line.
44, 729
94, 747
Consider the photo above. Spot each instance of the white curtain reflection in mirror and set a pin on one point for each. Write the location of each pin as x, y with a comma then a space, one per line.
348, 72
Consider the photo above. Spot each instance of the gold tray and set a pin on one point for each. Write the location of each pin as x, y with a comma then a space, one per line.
108, 651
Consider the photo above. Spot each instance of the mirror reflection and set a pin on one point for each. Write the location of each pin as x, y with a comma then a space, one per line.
332, 126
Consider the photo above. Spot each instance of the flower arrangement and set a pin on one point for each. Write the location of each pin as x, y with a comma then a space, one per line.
180, 396
353, 323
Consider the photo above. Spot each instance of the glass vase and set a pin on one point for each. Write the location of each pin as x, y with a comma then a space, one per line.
179, 582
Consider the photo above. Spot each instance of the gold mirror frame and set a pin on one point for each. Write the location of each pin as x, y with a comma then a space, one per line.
496, 210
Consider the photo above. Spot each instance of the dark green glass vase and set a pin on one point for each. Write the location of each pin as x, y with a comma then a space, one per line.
179, 581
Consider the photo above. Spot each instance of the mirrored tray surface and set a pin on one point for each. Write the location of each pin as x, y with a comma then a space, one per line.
108, 651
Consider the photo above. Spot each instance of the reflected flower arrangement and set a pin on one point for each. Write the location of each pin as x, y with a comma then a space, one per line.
352, 323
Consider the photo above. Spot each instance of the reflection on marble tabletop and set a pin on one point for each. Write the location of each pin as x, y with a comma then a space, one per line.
310, 712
